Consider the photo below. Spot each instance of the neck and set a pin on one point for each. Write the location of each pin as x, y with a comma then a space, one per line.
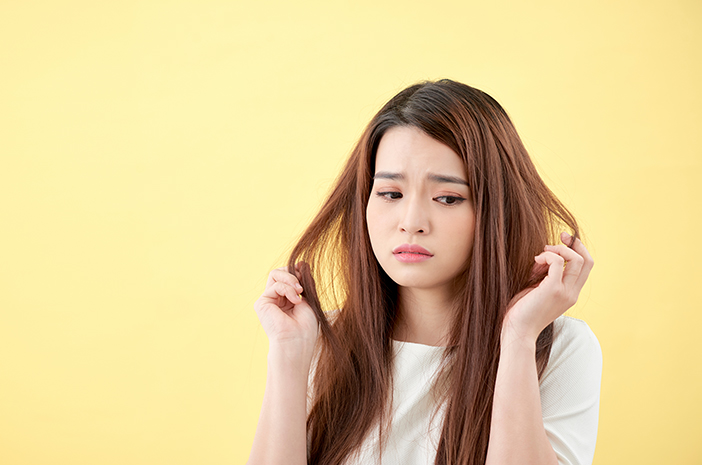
424, 316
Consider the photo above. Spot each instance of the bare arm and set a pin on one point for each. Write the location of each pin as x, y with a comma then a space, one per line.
281, 431
517, 434
291, 327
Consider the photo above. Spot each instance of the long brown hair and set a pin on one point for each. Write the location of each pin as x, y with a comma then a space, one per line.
516, 215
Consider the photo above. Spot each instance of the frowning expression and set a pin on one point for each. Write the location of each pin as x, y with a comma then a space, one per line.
420, 213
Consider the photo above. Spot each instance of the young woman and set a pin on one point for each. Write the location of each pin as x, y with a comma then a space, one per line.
439, 255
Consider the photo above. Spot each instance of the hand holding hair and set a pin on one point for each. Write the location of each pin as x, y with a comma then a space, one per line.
291, 327
286, 317
535, 308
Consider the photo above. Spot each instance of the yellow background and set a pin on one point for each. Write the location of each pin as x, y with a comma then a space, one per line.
159, 158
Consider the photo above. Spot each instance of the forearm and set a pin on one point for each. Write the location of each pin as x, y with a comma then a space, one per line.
281, 434
517, 434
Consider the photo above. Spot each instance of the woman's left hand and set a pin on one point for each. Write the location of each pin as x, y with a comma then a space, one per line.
533, 309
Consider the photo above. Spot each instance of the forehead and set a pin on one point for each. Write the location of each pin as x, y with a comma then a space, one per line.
409, 150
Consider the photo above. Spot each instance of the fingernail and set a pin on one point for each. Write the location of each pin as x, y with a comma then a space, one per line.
565, 234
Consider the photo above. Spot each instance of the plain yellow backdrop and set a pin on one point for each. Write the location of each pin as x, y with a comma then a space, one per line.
157, 159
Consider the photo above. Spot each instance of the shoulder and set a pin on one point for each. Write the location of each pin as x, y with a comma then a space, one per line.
575, 354
573, 337
570, 391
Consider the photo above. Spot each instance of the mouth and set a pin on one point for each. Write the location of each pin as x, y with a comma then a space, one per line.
411, 253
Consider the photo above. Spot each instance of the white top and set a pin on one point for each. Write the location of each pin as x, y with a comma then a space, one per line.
570, 397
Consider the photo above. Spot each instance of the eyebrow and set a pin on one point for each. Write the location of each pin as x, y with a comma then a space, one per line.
440, 178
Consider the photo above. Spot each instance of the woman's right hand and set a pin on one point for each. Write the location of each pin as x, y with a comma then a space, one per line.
291, 327
286, 317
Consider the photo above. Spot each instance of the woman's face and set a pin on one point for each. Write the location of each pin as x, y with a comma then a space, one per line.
420, 214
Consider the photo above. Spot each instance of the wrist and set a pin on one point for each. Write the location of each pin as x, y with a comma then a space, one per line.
292, 356
513, 335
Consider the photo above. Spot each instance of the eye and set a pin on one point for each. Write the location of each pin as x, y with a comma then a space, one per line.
389, 195
449, 199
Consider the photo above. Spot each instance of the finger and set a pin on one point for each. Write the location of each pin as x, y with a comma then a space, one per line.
573, 266
580, 248
300, 268
539, 271
282, 289
270, 279
555, 265
281, 275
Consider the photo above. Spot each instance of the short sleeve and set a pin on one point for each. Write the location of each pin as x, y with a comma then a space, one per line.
570, 392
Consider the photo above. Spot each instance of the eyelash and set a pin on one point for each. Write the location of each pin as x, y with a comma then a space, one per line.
388, 197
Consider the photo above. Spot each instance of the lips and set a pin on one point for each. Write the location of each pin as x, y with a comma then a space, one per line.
411, 249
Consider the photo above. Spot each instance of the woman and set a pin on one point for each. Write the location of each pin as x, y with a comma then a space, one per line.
438, 245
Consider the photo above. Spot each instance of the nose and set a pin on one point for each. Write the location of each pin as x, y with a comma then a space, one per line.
414, 219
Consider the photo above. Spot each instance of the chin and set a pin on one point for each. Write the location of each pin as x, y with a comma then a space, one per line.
414, 280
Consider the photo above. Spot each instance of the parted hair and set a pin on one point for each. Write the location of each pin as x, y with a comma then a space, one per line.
516, 215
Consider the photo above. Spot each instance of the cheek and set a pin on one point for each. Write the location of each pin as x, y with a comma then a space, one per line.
465, 235
375, 220
371, 224
378, 223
